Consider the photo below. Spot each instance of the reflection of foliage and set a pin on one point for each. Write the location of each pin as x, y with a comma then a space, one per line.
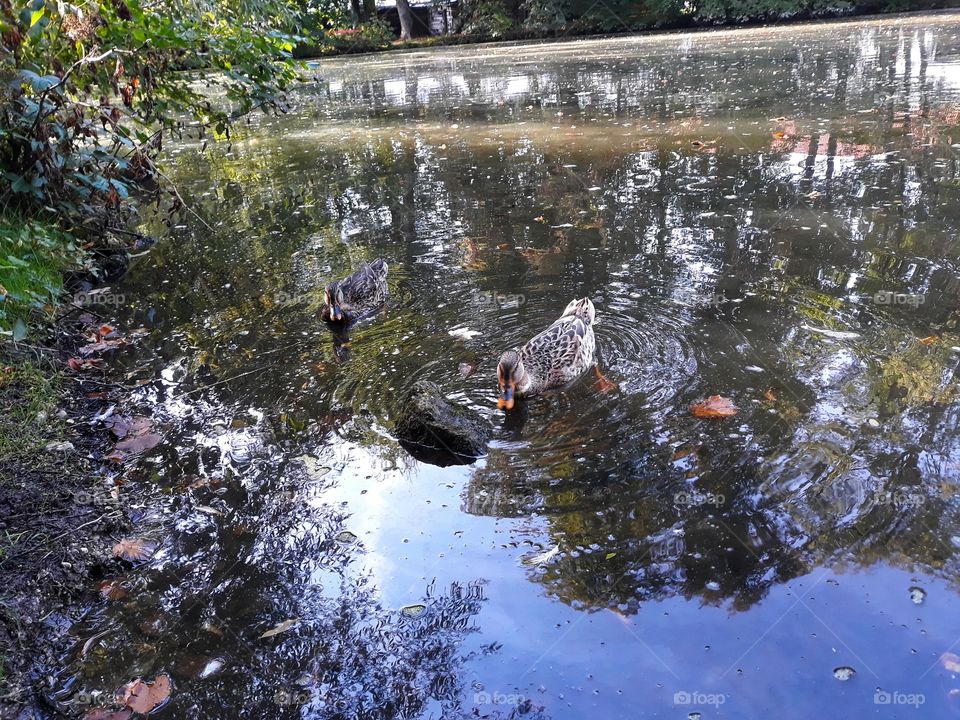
89, 91
914, 375
268, 558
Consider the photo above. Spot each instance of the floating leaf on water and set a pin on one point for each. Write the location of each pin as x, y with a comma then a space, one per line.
144, 697
844, 673
134, 549
610, 555
769, 395
212, 629
835, 334
929, 340
466, 369
91, 641
128, 426
917, 595
212, 667
715, 406
112, 590
345, 537
107, 714
138, 444
541, 558
206, 509
950, 662
315, 469
280, 628
413, 610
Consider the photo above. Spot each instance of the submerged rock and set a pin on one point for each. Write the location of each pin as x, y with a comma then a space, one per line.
437, 431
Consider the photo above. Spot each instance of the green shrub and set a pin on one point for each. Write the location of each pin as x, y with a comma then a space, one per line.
33, 257
485, 18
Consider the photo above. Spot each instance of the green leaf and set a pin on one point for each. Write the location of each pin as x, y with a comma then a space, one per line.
37, 15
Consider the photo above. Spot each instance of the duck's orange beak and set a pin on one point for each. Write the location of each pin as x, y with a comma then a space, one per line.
505, 401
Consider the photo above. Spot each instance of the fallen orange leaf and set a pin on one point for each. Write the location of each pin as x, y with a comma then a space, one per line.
112, 590
769, 395
134, 549
144, 697
929, 340
714, 406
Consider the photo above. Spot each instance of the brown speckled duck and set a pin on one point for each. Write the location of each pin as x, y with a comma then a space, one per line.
356, 296
553, 358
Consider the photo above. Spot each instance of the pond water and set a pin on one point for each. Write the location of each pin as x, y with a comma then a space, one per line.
770, 215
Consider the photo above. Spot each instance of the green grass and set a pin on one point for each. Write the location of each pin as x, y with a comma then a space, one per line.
28, 399
33, 258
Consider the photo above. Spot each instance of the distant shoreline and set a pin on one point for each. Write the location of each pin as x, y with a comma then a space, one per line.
693, 28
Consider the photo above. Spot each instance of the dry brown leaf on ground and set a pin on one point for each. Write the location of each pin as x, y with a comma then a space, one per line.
715, 406
134, 549
101, 346
143, 697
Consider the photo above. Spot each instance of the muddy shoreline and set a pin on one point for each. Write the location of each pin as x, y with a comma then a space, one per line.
60, 507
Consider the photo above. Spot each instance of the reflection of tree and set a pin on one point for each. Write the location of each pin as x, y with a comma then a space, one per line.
269, 556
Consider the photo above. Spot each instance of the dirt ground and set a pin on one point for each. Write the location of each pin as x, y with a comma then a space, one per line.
58, 521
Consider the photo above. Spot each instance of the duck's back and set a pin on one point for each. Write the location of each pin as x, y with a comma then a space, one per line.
562, 351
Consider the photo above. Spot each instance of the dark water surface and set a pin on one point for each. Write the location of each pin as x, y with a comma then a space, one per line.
769, 215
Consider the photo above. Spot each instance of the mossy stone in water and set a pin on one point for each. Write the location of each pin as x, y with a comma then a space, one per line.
437, 431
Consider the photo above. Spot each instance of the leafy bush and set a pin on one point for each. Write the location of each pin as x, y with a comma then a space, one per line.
545, 16
89, 91
374, 35
33, 257
486, 18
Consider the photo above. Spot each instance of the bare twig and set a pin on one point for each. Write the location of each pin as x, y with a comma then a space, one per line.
180, 198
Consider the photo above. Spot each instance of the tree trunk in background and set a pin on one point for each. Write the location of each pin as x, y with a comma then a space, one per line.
369, 10
406, 19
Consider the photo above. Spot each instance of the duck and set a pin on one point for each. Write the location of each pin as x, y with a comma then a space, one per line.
357, 295
559, 354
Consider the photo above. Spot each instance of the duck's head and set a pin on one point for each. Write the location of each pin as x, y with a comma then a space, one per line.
509, 373
333, 299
